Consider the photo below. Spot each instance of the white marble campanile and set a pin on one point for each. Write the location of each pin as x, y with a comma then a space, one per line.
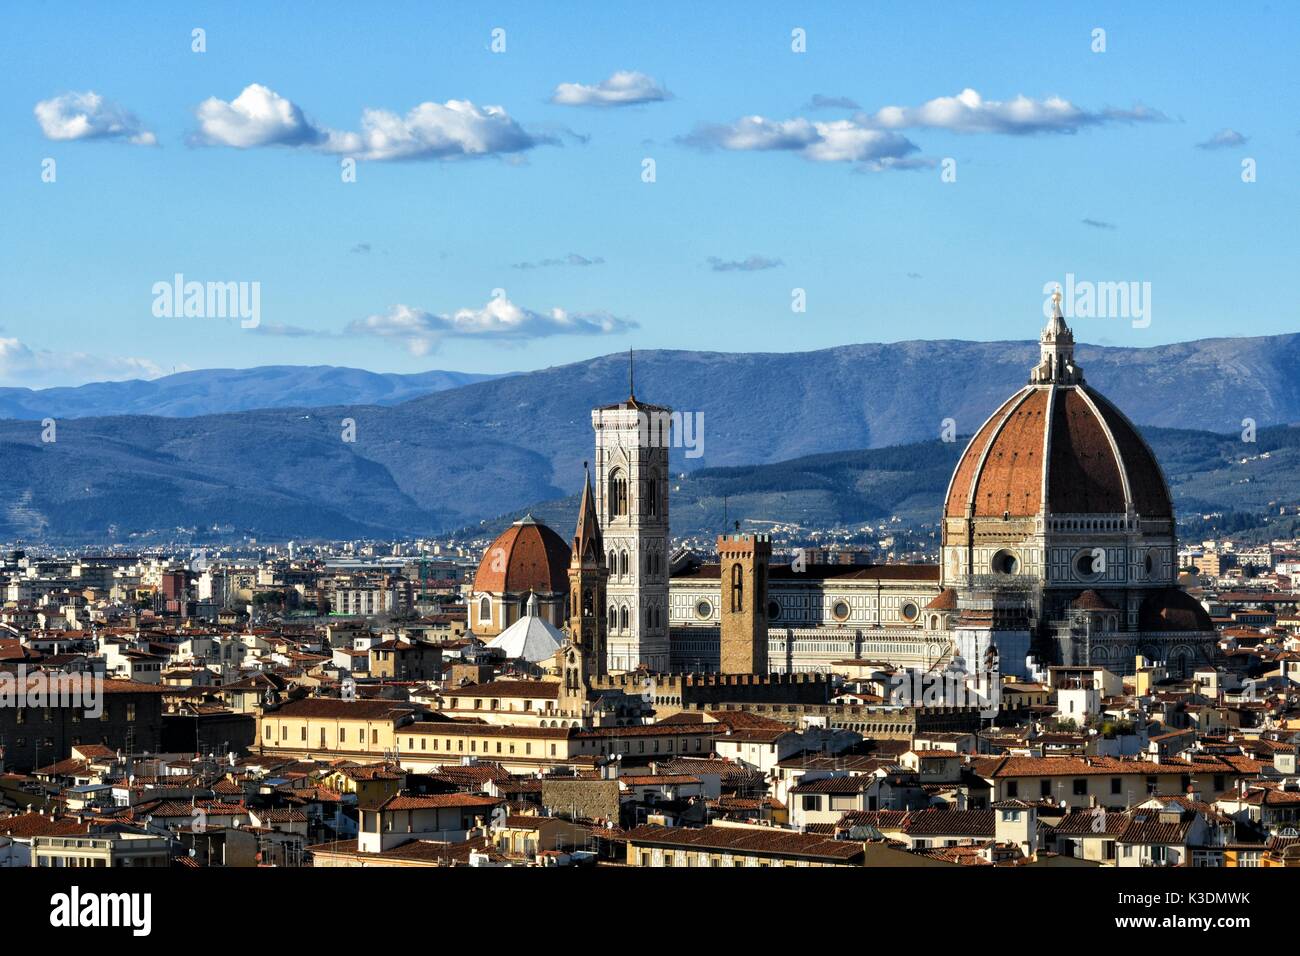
632, 440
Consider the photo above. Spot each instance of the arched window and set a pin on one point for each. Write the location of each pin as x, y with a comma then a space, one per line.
617, 493
613, 619
588, 603
737, 588
613, 562
652, 496
622, 562
622, 619
485, 610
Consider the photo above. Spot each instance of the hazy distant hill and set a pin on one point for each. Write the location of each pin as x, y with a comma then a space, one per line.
455, 457
1206, 473
216, 390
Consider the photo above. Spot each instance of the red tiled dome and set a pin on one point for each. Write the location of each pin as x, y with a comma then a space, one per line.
1173, 609
945, 600
1090, 600
1063, 443
527, 556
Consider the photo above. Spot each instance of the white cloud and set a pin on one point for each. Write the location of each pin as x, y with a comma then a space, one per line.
1223, 139
623, 88
874, 142
439, 131
836, 141
258, 116
261, 117
41, 367
968, 112
500, 319
72, 116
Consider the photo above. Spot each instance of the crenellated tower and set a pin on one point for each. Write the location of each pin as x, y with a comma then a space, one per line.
743, 561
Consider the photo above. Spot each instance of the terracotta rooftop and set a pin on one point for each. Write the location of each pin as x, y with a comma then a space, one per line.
436, 801
337, 708
955, 823
549, 689
755, 840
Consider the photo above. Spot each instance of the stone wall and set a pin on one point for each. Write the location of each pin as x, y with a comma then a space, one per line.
582, 799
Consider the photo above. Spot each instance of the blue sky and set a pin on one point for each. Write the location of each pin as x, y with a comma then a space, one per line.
171, 171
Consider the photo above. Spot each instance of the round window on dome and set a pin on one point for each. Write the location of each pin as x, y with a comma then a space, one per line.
1005, 562
703, 610
773, 610
840, 610
1150, 563
909, 611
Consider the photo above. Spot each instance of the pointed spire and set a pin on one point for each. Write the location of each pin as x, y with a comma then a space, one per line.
1056, 326
631, 382
588, 530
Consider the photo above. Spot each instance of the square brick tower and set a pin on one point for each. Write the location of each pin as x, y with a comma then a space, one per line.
744, 561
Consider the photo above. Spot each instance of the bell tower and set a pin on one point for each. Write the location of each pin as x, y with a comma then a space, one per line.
632, 440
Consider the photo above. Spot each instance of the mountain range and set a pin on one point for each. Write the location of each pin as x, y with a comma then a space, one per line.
215, 390
1207, 473
461, 455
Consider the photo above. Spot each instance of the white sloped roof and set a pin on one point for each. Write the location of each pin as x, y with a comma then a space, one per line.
530, 638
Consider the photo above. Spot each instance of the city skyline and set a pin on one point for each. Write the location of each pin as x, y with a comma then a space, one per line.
619, 438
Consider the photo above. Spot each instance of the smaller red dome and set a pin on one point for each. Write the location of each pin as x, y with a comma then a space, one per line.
1090, 600
945, 600
1173, 609
527, 556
